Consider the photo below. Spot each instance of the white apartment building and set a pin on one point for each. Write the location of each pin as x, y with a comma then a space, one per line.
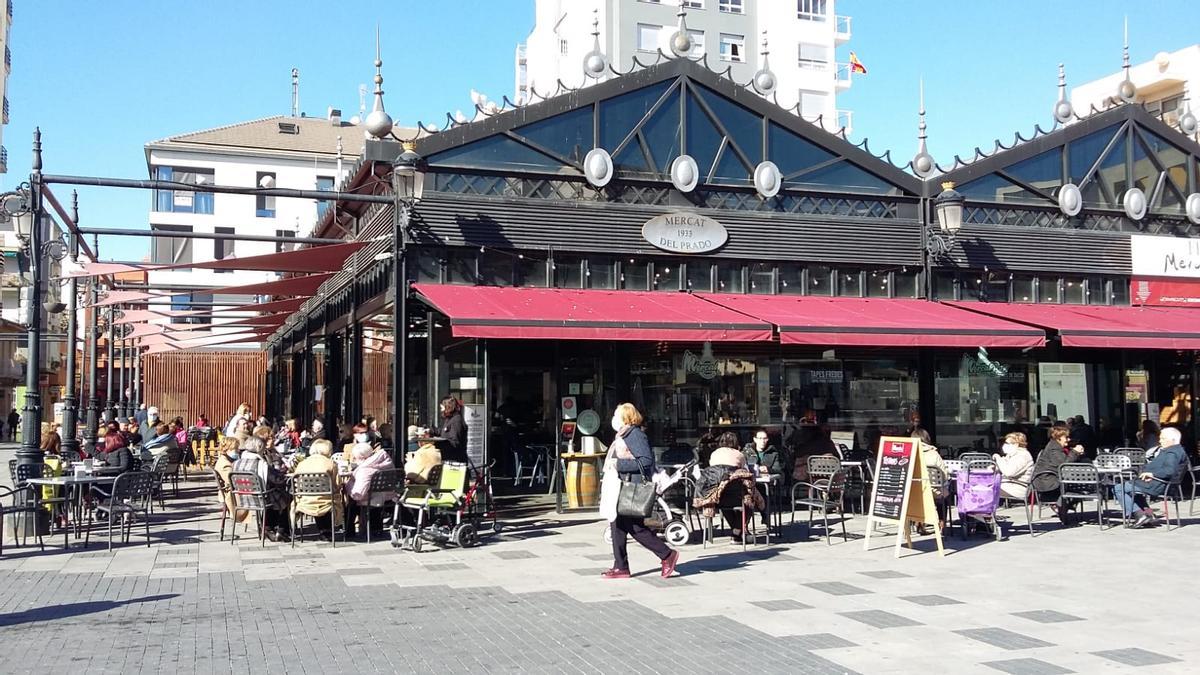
1161, 83
286, 152
5, 28
802, 37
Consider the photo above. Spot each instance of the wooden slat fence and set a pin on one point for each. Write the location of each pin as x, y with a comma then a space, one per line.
187, 383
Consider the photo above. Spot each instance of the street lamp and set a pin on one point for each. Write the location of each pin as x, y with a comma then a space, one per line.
948, 208
408, 185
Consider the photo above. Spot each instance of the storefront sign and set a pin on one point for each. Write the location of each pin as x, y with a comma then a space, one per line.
1165, 292
982, 364
685, 233
1177, 257
704, 365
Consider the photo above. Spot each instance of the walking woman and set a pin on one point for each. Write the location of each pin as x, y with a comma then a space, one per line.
633, 460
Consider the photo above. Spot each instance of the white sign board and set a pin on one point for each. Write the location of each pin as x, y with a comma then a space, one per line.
1062, 389
474, 417
1177, 257
685, 233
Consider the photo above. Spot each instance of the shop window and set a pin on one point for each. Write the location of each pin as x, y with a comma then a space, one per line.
568, 134
850, 283
1073, 292
699, 276
1097, 291
1022, 289
601, 273
460, 267
971, 287
730, 278
1048, 289
666, 276
905, 283
429, 267
531, 271
568, 271
1120, 291
762, 278
944, 286
791, 279
978, 397
877, 284
635, 275
495, 268
820, 280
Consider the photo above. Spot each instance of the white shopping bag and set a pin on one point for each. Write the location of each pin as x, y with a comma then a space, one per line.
610, 490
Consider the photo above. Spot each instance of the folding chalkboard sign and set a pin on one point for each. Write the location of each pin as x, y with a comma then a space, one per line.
902, 494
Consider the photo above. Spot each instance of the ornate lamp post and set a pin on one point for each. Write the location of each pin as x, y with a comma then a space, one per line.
70, 426
408, 184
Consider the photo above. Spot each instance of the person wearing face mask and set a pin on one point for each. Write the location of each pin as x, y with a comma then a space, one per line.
146, 430
633, 460
1016, 466
453, 431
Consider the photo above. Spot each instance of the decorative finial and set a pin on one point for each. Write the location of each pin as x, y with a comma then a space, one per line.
922, 162
1125, 90
36, 167
595, 63
681, 41
378, 123
764, 80
1063, 112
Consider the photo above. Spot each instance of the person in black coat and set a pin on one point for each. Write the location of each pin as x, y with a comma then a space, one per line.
633, 460
453, 431
1058, 451
1166, 466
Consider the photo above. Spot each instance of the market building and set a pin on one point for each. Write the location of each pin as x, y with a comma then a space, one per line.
670, 237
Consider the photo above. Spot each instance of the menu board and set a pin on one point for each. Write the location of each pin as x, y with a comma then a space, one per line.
893, 472
474, 417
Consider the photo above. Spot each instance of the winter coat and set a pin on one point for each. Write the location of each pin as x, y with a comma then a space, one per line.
770, 458
454, 431
421, 463
715, 480
359, 484
1017, 469
1166, 464
1050, 458
319, 505
642, 465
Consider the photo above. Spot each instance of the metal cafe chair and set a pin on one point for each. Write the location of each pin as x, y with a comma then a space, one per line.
939, 482
382, 483
1080, 481
313, 485
968, 457
25, 507
825, 496
1137, 457
249, 494
132, 493
1174, 484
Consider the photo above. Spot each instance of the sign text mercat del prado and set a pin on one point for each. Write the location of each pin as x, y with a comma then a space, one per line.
684, 232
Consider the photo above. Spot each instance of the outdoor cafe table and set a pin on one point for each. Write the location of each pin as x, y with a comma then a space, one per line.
1110, 476
78, 484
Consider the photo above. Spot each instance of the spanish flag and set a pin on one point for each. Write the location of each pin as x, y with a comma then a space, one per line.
856, 66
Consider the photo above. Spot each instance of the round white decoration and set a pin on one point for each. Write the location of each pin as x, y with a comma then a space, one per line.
1134, 203
685, 175
598, 167
1192, 207
767, 179
1070, 200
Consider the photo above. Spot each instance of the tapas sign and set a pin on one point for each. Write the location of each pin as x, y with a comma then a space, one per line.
902, 495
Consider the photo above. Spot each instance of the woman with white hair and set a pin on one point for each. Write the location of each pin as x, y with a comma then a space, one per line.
254, 459
368, 462
320, 460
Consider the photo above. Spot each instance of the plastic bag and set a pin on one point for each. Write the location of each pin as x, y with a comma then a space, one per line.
610, 490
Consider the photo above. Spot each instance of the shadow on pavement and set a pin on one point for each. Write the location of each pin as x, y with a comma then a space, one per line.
52, 612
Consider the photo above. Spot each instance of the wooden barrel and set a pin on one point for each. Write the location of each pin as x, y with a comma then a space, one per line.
583, 485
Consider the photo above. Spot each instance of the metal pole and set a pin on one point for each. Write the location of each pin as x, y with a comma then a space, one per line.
141, 184
117, 232
110, 410
70, 427
31, 417
93, 336
137, 380
400, 321
122, 368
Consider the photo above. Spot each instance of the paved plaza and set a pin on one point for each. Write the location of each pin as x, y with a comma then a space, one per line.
531, 600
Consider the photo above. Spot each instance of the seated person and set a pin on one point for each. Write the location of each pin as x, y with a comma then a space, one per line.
1153, 480
163, 440
763, 454
228, 454
1057, 452
327, 510
254, 459
118, 459
1016, 465
727, 465
419, 464
369, 461
933, 460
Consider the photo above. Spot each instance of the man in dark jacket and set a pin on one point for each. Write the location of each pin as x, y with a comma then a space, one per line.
1154, 478
760, 452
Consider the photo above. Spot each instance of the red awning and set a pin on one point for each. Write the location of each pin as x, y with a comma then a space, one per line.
306, 285
1104, 326
878, 322
557, 313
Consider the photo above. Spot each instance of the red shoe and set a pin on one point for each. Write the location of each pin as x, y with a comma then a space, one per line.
614, 573
668, 564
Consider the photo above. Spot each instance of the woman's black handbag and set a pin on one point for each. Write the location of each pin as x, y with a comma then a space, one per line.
636, 500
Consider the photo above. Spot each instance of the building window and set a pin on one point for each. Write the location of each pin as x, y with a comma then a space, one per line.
1073, 293
183, 201
531, 272
811, 10
731, 6
324, 184
820, 280
495, 269
666, 276
850, 283
264, 205
791, 279
568, 271
699, 276
1120, 291
168, 250
223, 248
733, 47
878, 285
697, 42
1097, 291
944, 286
187, 302
905, 283
460, 267
647, 37
562, 47
814, 57
762, 278
1022, 289
601, 273
812, 103
730, 278
281, 246
635, 275
693, 4
1048, 289
429, 267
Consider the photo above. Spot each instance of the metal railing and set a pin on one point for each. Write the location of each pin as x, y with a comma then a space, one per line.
3, 159
844, 75
845, 120
5, 110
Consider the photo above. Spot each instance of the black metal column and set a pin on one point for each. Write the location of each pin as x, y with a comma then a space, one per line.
31, 415
93, 336
70, 426
400, 320
122, 370
137, 380
110, 409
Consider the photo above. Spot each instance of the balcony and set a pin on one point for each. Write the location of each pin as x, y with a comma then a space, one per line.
3, 159
8, 59
841, 30
5, 113
843, 77
845, 120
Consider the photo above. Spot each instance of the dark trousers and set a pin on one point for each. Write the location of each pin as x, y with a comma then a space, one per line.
366, 517
634, 527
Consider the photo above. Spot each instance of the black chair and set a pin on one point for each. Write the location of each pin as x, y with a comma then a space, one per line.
249, 494
1176, 484
825, 496
132, 493
968, 457
25, 507
58, 505
1079, 481
222, 490
1037, 498
313, 485
72, 456
1137, 457
939, 483
382, 482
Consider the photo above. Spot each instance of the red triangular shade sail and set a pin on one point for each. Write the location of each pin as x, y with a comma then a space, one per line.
329, 258
306, 285
144, 329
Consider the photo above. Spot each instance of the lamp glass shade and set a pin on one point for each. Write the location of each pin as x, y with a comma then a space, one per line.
408, 176
23, 223
950, 215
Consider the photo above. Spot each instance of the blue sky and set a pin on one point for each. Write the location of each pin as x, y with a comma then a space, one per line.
103, 78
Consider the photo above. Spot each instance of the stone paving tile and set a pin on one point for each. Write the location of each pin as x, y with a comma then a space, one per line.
931, 600
589, 571
599, 557
390, 550
780, 605
1047, 616
655, 579
352, 571
514, 555
837, 588
886, 574
1005, 639
446, 567
1135, 656
879, 618
1027, 667
820, 641
573, 544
